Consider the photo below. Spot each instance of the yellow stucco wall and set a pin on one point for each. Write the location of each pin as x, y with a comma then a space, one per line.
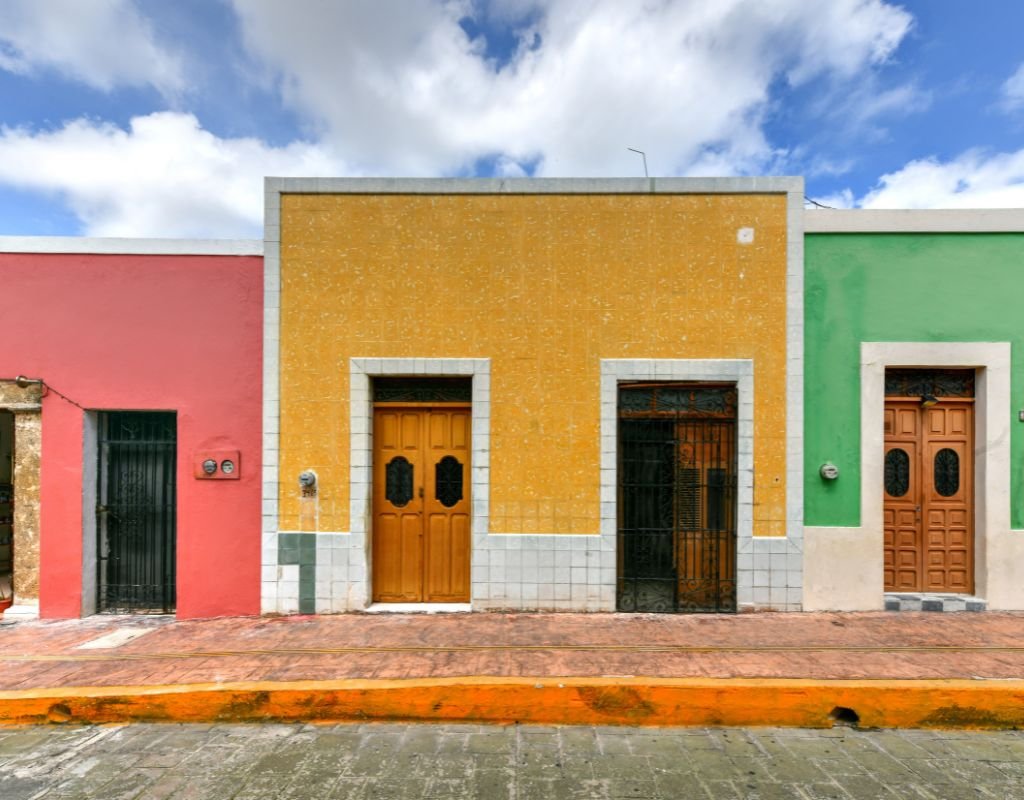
545, 286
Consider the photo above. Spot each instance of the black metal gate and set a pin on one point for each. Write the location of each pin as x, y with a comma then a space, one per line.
677, 497
135, 512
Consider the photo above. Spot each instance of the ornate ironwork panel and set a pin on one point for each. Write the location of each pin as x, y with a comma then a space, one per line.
681, 399
947, 472
677, 499
936, 382
897, 472
448, 481
398, 474
136, 512
422, 390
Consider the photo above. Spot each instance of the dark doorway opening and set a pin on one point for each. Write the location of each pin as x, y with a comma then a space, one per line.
6, 509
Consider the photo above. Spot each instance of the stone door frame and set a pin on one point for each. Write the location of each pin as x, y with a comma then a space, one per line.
26, 403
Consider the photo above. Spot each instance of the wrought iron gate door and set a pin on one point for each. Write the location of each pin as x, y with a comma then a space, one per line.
677, 497
135, 512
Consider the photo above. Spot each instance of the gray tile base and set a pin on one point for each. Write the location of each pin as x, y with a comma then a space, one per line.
943, 603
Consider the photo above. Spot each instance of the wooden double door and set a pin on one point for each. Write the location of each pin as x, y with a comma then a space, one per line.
421, 504
928, 506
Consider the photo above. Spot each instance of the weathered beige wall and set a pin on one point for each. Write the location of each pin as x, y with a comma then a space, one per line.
15, 397
28, 443
842, 570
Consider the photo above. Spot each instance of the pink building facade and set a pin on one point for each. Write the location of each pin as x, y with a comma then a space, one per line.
130, 425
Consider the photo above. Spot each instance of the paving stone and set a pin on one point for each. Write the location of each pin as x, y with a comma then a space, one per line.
1013, 770
823, 791
452, 744
557, 790
11, 786
582, 739
163, 787
617, 743
286, 762
810, 747
720, 789
740, 747
493, 760
865, 788
497, 742
885, 768
359, 788
753, 770
709, 762
679, 784
494, 783
454, 789
293, 762
956, 791
973, 772
451, 768
770, 791
626, 767
630, 787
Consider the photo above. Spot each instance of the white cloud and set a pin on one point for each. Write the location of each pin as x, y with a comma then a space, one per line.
867, 102
165, 176
397, 87
401, 89
974, 179
1013, 90
102, 43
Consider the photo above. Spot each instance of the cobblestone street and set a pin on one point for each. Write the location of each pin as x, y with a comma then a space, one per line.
250, 762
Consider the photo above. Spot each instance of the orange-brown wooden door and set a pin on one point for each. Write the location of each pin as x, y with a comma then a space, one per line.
421, 505
929, 497
705, 514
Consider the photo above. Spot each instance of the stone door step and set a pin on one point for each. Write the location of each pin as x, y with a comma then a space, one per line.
923, 601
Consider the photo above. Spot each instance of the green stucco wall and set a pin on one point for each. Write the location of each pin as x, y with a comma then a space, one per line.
874, 287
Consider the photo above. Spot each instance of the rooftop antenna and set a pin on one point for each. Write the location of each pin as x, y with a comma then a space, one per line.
643, 155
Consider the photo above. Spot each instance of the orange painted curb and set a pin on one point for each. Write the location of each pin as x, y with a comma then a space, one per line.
566, 701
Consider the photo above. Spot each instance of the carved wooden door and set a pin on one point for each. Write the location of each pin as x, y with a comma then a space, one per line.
929, 496
421, 505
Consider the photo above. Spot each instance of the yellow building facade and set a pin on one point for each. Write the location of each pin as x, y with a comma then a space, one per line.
532, 317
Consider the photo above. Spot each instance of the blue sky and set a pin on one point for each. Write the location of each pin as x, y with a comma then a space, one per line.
155, 118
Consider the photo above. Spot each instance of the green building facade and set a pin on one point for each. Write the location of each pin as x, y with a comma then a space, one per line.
898, 303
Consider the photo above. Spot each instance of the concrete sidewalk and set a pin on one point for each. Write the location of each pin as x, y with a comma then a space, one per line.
885, 669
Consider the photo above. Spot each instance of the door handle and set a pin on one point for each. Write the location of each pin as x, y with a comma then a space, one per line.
421, 493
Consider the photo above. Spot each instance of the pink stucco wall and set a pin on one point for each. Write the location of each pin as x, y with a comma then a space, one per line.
145, 332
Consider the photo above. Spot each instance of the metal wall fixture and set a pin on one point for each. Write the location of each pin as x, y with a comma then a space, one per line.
307, 483
829, 471
223, 465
